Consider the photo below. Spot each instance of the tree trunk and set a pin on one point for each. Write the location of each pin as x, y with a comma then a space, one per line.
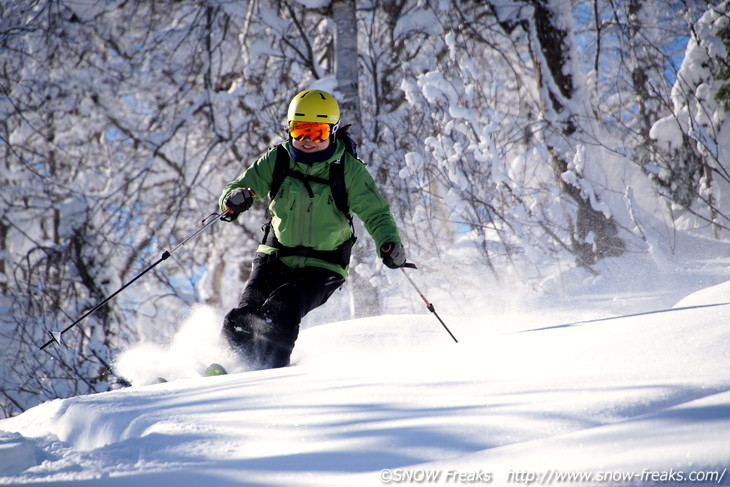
364, 297
555, 83
346, 63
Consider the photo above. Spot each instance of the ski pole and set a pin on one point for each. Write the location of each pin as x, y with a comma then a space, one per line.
56, 336
429, 305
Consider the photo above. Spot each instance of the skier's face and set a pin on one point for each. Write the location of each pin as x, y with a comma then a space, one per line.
307, 145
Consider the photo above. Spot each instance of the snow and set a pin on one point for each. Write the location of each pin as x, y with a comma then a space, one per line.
526, 396
420, 21
534, 390
314, 3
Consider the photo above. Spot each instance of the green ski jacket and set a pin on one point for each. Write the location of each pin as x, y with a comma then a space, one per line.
315, 222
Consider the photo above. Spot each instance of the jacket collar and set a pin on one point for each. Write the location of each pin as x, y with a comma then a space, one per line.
329, 154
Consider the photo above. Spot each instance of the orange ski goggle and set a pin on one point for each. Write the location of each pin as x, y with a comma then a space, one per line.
314, 131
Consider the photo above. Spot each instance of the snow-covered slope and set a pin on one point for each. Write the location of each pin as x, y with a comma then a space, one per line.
521, 398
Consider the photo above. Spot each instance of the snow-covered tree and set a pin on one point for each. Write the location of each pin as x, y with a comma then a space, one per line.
511, 138
693, 141
115, 120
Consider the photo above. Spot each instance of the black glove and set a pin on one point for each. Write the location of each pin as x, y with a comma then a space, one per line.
237, 202
394, 255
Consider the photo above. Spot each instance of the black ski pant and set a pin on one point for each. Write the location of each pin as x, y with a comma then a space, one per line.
265, 325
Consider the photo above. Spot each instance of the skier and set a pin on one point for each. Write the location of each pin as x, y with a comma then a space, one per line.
305, 254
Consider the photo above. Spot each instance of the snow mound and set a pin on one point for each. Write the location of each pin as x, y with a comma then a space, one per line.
395, 396
17, 454
711, 296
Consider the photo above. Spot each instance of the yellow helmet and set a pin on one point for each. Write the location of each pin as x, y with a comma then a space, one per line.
314, 106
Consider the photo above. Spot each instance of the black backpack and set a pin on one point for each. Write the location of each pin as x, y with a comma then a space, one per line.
336, 182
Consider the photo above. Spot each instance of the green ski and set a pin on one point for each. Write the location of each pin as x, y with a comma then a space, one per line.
214, 369
210, 371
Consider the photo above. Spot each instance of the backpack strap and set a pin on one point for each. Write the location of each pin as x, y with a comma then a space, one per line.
339, 256
344, 135
281, 170
337, 186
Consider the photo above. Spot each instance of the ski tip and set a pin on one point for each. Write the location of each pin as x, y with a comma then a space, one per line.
214, 369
